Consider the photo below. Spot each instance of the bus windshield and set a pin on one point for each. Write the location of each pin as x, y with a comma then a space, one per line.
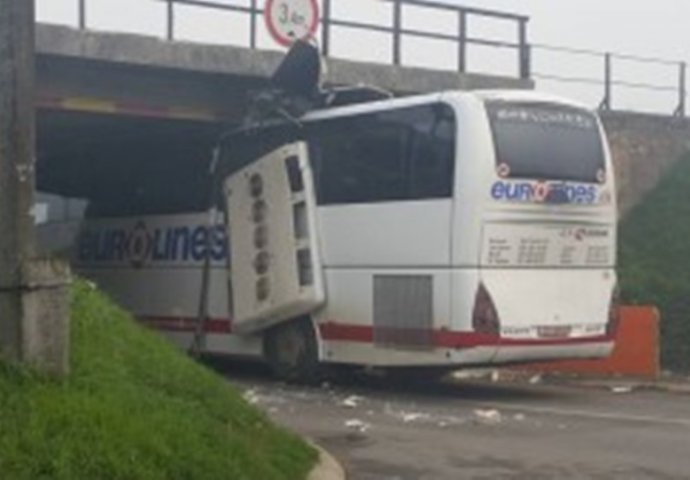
546, 141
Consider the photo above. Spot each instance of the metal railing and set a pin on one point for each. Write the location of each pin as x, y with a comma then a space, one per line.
607, 78
396, 29
610, 82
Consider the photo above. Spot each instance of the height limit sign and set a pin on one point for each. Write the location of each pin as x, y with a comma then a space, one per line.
290, 20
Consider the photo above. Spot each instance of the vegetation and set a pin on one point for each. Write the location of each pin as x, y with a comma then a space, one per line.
655, 261
134, 408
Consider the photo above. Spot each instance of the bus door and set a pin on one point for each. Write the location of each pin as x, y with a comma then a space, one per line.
275, 265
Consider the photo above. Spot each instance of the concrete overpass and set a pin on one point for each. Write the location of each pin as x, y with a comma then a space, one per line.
110, 99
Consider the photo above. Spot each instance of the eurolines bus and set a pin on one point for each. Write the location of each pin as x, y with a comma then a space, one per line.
444, 230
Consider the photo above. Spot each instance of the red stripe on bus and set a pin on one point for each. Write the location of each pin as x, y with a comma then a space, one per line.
188, 324
450, 339
365, 334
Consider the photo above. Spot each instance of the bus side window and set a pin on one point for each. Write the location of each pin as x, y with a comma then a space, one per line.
395, 155
432, 153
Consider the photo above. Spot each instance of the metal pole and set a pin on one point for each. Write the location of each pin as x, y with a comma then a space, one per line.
171, 20
252, 24
82, 14
17, 138
680, 110
606, 101
397, 26
462, 46
524, 51
326, 29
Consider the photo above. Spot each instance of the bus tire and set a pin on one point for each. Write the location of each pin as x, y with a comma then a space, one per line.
291, 350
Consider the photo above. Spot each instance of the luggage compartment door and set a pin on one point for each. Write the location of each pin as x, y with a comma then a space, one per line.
275, 265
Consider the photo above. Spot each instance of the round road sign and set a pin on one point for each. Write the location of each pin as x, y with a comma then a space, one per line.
290, 20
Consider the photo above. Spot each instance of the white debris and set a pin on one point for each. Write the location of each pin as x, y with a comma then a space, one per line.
621, 389
471, 374
535, 379
357, 424
495, 376
408, 417
351, 402
251, 397
443, 424
519, 417
489, 417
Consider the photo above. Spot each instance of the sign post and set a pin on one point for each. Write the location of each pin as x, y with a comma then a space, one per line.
291, 20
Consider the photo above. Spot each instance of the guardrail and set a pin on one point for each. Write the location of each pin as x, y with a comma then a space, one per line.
396, 29
609, 82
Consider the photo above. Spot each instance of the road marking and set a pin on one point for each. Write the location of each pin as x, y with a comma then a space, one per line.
685, 422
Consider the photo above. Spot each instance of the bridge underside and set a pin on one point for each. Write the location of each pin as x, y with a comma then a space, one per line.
86, 155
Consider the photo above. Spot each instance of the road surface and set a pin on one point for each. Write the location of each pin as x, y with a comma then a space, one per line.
483, 430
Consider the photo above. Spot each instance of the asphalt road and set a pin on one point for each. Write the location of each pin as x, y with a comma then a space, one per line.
483, 430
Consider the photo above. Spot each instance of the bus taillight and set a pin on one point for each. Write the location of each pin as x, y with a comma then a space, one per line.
484, 315
614, 313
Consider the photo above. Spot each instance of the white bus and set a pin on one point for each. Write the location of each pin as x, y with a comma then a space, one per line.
443, 230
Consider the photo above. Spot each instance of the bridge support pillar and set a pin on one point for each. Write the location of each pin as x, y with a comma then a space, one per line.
34, 308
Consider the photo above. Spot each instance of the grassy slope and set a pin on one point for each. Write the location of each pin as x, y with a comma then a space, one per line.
135, 408
655, 261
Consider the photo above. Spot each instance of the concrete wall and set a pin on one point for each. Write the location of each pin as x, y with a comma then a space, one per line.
148, 71
643, 148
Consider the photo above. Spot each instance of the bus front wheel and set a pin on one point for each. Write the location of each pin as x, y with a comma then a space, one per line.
291, 351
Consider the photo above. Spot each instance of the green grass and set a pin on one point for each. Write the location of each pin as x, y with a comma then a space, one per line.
655, 261
134, 408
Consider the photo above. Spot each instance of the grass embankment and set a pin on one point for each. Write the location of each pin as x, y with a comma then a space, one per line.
655, 261
135, 408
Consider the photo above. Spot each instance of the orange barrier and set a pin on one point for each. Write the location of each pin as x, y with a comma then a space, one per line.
636, 352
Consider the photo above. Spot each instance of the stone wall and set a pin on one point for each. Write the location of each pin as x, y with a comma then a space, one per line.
643, 148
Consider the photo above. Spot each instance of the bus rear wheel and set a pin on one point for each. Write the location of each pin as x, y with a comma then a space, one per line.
291, 351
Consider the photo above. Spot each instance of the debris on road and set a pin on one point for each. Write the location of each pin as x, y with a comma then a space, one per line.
488, 417
519, 417
357, 424
472, 374
351, 402
408, 417
535, 379
622, 389
251, 397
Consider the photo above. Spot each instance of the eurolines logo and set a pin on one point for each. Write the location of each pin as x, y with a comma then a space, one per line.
141, 245
544, 192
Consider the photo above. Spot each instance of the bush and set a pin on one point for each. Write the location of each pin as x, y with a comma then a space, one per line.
654, 262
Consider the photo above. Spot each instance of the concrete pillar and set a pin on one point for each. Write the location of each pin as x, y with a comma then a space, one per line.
33, 301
